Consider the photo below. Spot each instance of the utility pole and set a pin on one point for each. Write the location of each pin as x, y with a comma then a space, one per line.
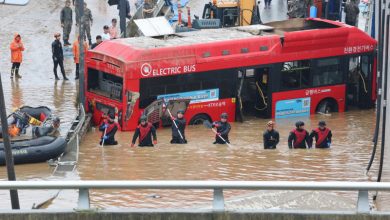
9, 159
81, 50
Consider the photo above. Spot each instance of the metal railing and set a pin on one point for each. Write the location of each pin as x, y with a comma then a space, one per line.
217, 186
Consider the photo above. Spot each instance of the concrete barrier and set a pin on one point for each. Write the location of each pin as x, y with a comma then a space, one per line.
188, 215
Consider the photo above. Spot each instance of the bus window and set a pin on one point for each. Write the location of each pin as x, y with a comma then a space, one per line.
327, 72
295, 75
104, 84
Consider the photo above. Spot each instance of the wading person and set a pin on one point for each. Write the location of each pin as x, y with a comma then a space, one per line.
322, 135
223, 128
16, 48
109, 128
76, 54
352, 11
58, 56
146, 134
88, 21
181, 126
66, 22
299, 137
270, 136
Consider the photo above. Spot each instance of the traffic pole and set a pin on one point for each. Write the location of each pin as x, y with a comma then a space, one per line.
9, 160
122, 16
179, 11
82, 50
189, 17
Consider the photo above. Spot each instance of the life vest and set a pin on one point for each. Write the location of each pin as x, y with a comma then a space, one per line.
322, 135
143, 131
299, 137
110, 127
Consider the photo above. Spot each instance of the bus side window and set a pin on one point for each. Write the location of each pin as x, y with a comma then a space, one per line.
327, 72
295, 75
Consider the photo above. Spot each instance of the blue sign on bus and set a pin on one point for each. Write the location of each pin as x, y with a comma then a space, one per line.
195, 96
292, 108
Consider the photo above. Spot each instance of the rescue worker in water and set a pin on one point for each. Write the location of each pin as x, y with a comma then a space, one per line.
145, 131
322, 135
181, 126
270, 136
108, 128
299, 137
223, 128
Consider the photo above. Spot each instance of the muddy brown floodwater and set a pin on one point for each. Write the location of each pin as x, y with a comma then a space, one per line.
198, 160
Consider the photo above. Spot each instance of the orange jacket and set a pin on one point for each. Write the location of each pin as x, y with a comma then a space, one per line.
16, 50
76, 54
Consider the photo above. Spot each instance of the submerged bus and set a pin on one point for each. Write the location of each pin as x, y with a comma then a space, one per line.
281, 69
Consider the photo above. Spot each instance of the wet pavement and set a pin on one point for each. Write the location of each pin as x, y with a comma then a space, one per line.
199, 160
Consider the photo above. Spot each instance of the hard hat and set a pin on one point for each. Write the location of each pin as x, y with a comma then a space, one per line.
299, 124
143, 118
111, 116
321, 123
270, 123
181, 111
224, 115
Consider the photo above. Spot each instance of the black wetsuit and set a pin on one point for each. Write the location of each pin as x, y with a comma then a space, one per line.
110, 133
299, 139
223, 128
145, 134
323, 137
271, 139
181, 124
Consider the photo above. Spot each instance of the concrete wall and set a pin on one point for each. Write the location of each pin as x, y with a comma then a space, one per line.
190, 215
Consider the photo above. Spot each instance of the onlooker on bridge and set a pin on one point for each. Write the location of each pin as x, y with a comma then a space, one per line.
58, 56
76, 54
114, 32
98, 41
270, 136
88, 21
106, 33
352, 11
66, 22
16, 48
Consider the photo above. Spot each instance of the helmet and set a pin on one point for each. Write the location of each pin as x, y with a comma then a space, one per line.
181, 111
270, 123
57, 34
56, 119
111, 116
299, 124
321, 123
143, 118
224, 115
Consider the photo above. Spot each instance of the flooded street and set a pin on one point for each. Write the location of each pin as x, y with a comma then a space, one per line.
198, 160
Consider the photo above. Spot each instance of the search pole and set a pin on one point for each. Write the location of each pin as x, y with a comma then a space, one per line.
9, 159
81, 49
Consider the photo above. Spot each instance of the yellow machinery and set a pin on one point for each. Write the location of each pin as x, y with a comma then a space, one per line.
233, 12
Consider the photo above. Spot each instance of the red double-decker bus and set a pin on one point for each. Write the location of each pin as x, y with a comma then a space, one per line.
282, 69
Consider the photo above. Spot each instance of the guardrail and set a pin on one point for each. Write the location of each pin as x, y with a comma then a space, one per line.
217, 186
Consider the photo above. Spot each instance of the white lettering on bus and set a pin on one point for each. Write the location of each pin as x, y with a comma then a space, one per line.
358, 49
147, 70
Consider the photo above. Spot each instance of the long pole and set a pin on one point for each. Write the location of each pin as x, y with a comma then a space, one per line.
82, 49
7, 149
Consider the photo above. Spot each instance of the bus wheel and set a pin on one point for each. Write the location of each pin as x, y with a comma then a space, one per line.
199, 119
327, 106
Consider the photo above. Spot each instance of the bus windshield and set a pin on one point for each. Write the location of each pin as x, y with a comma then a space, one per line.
105, 84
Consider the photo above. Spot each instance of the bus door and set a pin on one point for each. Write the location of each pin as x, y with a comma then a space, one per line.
253, 91
359, 80
158, 110
131, 99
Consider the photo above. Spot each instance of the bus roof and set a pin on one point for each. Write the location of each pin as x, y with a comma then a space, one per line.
222, 34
